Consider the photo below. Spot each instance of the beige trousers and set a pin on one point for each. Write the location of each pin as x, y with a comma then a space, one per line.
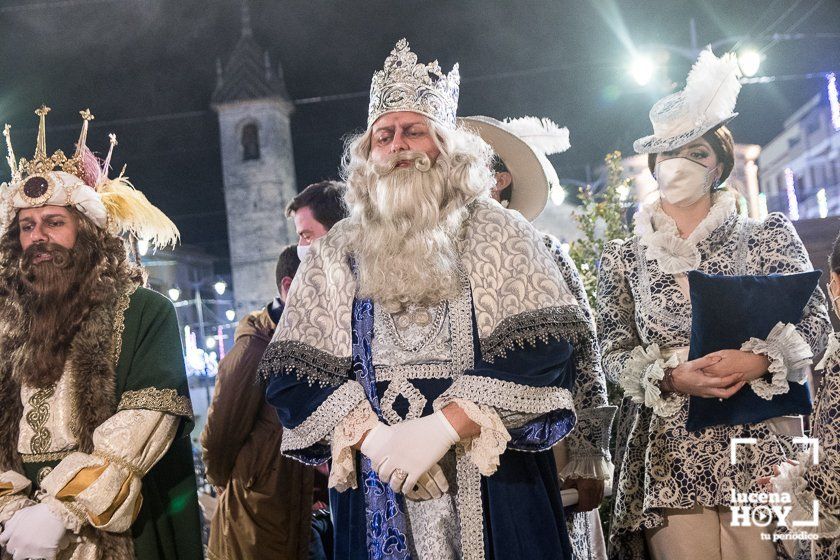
701, 532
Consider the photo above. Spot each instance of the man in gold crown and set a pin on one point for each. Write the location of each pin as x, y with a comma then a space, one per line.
427, 345
95, 460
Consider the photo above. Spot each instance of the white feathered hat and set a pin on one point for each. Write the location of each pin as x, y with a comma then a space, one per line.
523, 144
707, 101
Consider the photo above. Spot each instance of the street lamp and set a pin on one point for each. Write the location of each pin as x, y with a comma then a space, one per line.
220, 287
749, 61
174, 293
230, 314
642, 69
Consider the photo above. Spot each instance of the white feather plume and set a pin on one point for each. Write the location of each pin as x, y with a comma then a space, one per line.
712, 86
543, 135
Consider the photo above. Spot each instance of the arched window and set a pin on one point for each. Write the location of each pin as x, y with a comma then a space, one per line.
250, 142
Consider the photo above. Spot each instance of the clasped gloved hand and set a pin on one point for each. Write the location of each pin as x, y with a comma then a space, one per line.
34, 532
403, 453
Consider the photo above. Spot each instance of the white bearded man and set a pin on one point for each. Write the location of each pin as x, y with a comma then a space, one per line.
95, 458
427, 345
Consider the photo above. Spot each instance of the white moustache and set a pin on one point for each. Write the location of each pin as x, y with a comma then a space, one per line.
421, 161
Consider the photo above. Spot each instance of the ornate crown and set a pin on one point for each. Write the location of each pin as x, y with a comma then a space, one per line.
81, 181
40, 162
405, 85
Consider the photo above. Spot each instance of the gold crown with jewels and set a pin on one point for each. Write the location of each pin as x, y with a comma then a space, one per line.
41, 163
405, 85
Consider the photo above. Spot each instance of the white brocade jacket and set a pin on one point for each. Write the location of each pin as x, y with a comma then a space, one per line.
644, 326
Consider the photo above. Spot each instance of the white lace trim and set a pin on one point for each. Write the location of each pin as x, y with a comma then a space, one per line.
833, 349
789, 356
587, 466
73, 520
485, 449
11, 503
644, 370
791, 480
346, 434
319, 425
658, 232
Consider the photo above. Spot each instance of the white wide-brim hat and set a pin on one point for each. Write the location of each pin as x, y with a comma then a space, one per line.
533, 175
708, 100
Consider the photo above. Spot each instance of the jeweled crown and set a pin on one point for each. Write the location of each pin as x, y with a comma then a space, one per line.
41, 163
405, 85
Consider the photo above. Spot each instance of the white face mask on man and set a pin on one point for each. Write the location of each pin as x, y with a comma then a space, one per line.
682, 181
302, 251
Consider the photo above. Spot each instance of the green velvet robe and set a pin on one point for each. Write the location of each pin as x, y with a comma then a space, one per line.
150, 375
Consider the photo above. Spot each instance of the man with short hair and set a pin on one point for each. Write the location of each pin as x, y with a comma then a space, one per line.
265, 500
427, 345
95, 416
315, 210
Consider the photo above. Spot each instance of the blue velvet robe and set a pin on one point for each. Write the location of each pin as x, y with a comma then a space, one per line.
522, 511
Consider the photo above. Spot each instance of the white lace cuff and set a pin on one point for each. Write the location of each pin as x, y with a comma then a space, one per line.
588, 445
13, 494
587, 466
346, 434
643, 371
319, 426
71, 515
485, 448
789, 357
791, 481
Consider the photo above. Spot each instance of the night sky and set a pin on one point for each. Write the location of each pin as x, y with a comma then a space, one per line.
146, 68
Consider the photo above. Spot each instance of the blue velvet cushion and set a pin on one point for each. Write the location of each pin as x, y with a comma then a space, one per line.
726, 311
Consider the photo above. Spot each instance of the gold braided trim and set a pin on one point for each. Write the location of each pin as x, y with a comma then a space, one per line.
136, 471
44, 457
123, 301
162, 400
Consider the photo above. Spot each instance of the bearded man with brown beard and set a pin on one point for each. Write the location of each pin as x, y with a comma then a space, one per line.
95, 460
426, 346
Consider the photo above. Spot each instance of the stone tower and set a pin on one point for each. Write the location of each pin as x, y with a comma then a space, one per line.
257, 165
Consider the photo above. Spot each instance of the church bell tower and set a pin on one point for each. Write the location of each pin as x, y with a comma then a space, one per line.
258, 168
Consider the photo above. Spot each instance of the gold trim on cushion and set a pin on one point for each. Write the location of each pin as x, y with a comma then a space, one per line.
162, 400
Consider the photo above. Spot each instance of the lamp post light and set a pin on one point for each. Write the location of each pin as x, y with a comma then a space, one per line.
642, 69
749, 60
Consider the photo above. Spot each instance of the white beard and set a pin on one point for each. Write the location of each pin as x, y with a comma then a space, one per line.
406, 229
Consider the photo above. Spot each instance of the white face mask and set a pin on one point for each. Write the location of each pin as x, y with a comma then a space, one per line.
302, 251
682, 182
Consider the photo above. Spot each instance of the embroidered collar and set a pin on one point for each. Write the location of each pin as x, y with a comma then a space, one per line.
658, 233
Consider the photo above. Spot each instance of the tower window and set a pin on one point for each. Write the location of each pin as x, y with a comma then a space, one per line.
250, 142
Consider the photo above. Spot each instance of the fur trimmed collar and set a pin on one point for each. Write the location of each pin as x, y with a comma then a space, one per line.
92, 358
658, 233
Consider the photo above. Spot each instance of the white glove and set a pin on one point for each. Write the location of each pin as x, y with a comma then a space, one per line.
431, 486
34, 532
409, 448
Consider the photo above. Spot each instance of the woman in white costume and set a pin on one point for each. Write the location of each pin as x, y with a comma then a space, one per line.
673, 488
